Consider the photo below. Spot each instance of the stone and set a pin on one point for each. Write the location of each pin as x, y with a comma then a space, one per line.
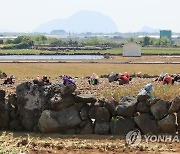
2, 94
143, 107
87, 128
101, 128
58, 121
4, 118
13, 114
15, 125
142, 98
121, 125
167, 124
99, 114
175, 105
12, 100
111, 106
160, 109
79, 106
146, 124
59, 103
84, 112
127, 106
86, 98
68, 89
31, 101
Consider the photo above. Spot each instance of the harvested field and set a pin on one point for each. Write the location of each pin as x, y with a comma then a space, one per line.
19, 142
29, 70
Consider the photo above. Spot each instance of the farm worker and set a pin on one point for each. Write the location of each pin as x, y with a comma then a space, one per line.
146, 90
112, 77
37, 79
139, 74
161, 77
127, 75
167, 79
176, 77
9, 80
45, 80
67, 80
123, 79
94, 79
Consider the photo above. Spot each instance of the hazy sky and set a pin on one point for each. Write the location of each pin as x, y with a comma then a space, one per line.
129, 15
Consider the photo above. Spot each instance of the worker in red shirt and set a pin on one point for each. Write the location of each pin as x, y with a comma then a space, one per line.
167, 79
123, 79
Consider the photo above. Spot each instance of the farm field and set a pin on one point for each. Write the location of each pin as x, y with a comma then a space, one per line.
28, 142
114, 51
29, 70
21, 142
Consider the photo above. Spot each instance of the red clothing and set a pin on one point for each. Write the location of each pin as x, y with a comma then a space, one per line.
127, 75
167, 80
124, 78
9, 80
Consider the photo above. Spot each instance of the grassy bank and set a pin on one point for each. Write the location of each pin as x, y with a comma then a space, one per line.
145, 50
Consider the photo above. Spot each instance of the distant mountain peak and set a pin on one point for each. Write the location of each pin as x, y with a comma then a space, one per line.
147, 29
83, 21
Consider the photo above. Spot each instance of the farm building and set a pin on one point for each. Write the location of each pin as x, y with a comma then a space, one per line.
131, 50
166, 33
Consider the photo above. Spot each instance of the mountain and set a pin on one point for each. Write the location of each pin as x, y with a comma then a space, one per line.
147, 29
84, 21
58, 32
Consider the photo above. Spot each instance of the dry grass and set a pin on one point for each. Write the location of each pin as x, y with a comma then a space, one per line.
23, 70
104, 89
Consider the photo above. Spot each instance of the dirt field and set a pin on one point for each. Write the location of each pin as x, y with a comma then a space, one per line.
56, 143
23, 142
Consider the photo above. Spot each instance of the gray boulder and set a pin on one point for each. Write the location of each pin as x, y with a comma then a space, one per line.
146, 123
84, 112
58, 121
79, 106
15, 125
127, 106
101, 128
167, 124
121, 125
59, 103
86, 98
175, 105
87, 127
160, 109
4, 118
2, 94
31, 101
99, 114
142, 98
143, 107
111, 106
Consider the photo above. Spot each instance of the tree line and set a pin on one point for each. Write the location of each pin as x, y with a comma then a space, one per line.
27, 42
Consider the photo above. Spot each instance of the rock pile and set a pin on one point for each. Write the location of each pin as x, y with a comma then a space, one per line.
55, 108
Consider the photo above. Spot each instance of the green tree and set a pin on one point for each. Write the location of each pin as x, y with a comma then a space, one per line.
164, 41
147, 41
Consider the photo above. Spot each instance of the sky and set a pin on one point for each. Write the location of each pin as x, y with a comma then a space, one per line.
129, 15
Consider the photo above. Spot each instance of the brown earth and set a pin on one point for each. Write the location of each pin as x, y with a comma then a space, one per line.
19, 142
